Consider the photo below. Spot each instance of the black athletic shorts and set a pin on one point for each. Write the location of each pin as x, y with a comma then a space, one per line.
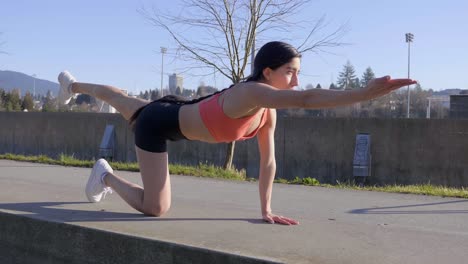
156, 123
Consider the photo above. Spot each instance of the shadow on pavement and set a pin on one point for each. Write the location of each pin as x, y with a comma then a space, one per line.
54, 211
395, 209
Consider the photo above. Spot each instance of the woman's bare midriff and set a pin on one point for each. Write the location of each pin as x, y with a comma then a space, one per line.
193, 128
191, 124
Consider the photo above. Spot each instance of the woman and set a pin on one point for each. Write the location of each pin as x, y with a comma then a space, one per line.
242, 111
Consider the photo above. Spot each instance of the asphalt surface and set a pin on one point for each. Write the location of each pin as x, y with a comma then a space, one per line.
336, 226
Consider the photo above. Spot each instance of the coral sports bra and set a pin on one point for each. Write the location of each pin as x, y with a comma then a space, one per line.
224, 128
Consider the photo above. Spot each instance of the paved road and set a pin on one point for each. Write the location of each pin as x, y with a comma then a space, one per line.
337, 226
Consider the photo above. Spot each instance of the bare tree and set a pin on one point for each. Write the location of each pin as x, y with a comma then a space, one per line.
227, 31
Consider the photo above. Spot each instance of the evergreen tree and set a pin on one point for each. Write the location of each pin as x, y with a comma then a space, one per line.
333, 87
49, 103
2, 99
367, 76
154, 95
318, 86
346, 79
309, 86
356, 84
28, 102
13, 101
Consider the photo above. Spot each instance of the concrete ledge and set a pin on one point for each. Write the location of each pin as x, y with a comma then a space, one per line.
29, 240
404, 151
45, 218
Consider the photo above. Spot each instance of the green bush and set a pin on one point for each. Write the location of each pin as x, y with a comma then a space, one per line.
310, 181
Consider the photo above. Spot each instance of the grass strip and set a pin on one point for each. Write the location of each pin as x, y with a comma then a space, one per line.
202, 170
211, 171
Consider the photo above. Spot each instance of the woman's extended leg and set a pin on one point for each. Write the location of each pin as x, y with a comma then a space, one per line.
155, 198
123, 103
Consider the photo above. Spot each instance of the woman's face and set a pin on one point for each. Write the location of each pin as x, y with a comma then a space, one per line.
284, 77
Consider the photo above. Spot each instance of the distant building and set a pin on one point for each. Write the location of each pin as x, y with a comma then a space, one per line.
459, 106
444, 100
176, 82
205, 90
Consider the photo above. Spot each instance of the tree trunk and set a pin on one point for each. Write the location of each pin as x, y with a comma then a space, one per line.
229, 155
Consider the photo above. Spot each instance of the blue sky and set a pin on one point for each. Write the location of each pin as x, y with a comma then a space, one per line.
109, 42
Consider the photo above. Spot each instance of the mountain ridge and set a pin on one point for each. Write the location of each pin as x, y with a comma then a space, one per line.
10, 80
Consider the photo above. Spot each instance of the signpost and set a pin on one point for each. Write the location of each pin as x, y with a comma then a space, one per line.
362, 158
106, 149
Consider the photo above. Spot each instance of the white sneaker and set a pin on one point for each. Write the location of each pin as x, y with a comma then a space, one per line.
65, 80
95, 188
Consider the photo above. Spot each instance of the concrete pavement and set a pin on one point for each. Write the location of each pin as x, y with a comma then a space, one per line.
223, 217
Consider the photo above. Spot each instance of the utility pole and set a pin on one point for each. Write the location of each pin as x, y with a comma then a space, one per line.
409, 39
252, 55
34, 86
163, 51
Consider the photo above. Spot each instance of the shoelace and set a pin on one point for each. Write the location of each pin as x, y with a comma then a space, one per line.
105, 191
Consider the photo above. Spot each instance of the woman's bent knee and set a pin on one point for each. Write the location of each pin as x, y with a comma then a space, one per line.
156, 210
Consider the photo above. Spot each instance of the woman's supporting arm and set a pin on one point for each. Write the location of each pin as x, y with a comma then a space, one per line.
266, 145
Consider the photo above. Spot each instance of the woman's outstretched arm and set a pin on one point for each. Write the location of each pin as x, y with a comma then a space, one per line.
266, 145
262, 95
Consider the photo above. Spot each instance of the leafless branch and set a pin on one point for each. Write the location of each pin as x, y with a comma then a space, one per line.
232, 27
331, 40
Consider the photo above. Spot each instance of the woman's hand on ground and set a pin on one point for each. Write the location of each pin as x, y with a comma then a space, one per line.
272, 218
381, 86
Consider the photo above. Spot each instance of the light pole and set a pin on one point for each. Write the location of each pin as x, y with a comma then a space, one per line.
163, 51
428, 111
34, 85
252, 57
409, 39
252, 54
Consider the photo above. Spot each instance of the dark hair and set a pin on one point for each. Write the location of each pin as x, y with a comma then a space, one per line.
272, 55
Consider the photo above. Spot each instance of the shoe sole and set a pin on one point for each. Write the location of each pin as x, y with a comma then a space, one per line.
64, 91
91, 178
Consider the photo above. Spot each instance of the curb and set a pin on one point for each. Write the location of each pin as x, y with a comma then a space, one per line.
28, 240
